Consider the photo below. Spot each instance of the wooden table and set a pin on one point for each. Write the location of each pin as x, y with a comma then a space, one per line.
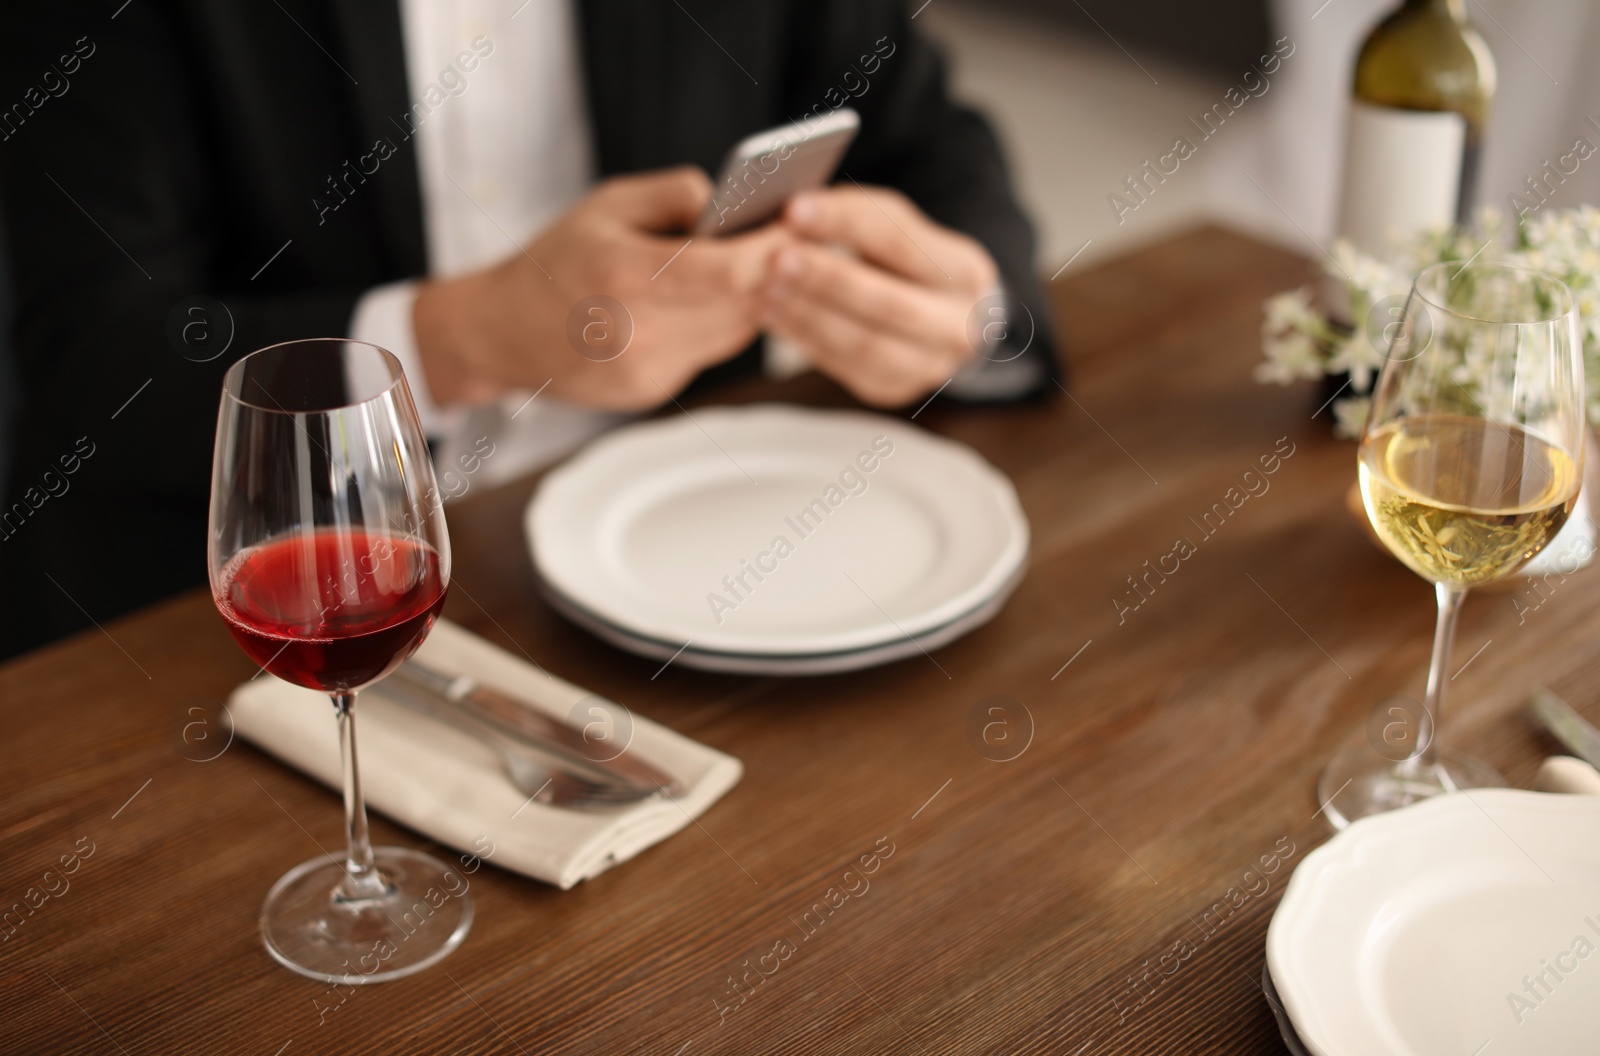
1027, 904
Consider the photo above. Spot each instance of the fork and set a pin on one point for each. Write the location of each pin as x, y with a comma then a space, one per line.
543, 781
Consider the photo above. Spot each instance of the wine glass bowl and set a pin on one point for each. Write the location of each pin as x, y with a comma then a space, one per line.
1469, 465
332, 610
329, 561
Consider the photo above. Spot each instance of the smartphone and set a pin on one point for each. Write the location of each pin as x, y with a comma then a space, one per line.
766, 170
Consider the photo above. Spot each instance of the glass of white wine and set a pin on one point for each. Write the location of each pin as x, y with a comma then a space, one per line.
1470, 463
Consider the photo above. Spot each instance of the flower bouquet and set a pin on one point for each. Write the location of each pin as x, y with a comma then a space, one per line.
1301, 342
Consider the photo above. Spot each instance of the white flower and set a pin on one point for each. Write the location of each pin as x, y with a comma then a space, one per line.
1585, 263
1420, 256
1291, 356
1588, 220
1351, 416
1357, 356
1300, 344
1558, 238
1291, 311
1364, 274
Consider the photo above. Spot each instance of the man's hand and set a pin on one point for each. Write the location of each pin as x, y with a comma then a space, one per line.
889, 324
506, 327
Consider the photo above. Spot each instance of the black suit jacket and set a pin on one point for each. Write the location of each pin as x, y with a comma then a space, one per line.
158, 151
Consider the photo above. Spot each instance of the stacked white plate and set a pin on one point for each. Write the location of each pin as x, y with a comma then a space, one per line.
1466, 925
774, 539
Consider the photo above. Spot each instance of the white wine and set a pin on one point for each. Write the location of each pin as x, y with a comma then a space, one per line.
1462, 500
1423, 83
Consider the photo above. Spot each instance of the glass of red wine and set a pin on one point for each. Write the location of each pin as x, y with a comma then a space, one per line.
329, 562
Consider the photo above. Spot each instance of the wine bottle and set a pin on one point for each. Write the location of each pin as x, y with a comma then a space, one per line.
1424, 80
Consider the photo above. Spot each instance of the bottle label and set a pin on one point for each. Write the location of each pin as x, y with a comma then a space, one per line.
1402, 174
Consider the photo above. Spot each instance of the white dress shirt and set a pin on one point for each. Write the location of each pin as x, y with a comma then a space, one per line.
503, 148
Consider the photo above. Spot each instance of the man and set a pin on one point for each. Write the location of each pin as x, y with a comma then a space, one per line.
185, 182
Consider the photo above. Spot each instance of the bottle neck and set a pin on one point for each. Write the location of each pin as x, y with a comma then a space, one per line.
1453, 9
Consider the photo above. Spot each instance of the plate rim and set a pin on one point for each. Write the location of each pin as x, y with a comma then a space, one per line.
1008, 560
789, 665
1349, 849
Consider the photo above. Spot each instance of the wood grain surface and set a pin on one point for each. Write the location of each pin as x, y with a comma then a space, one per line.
1160, 794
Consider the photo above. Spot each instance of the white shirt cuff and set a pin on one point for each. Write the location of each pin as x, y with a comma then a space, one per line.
383, 318
999, 371
782, 359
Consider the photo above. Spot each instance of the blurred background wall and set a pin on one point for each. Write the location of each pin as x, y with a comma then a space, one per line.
1085, 93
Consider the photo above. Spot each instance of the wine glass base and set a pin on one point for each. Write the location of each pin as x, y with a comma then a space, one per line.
1358, 782
422, 914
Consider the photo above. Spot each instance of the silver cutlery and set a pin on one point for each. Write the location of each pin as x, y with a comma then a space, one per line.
1570, 728
531, 743
541, 778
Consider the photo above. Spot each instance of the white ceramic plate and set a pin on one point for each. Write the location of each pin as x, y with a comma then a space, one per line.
785, 666
1291, 1040
1467, 924
697, 529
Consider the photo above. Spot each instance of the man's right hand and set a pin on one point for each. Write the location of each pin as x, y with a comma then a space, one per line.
505, 328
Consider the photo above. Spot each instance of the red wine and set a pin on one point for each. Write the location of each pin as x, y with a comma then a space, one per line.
332, 610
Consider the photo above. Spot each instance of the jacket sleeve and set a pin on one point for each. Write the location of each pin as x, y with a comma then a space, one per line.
128, 278
140, 275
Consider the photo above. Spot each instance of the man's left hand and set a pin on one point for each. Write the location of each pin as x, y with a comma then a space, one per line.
890, 322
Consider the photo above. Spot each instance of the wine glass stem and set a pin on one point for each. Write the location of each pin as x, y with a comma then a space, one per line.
1450, 598
361, 880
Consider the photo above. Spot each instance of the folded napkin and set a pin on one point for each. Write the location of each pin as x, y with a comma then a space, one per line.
1563, 773
443, 782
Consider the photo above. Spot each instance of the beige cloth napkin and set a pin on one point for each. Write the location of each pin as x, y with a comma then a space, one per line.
444, 783
1563, 773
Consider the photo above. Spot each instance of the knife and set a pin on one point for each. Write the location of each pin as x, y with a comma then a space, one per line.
1570, 728
523, 723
